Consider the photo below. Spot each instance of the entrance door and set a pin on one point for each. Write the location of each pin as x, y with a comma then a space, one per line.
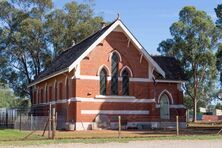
164, 107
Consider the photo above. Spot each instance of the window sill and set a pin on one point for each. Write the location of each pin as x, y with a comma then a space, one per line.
114, 97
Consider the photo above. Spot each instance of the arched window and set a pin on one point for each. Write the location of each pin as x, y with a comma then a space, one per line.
55, 91
103, 79
125, 82
164, 107
46, 94
114, 79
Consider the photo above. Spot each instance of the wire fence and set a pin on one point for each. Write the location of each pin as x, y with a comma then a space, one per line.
28, 119
7, 117
49, 124
22, 119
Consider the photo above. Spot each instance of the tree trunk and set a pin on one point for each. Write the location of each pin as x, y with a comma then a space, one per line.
194, 109
195, 96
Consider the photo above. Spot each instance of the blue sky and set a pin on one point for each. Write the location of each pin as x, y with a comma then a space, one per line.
148, 20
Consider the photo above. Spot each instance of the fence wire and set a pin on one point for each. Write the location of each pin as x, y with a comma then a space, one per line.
38, 121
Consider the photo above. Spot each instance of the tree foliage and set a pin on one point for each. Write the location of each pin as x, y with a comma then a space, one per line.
218, 106
194, 36
7, 98
32, 33
218, 12
219, 62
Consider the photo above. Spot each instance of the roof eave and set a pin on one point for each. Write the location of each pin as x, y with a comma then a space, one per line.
48, 77
171, 81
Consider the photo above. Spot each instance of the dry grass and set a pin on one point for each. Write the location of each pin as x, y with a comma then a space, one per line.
15, 137
131, 134
205, 124
111, 134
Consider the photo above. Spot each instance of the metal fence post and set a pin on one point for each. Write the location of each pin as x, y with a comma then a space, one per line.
50, 120
177, 122
53, 122
119, 119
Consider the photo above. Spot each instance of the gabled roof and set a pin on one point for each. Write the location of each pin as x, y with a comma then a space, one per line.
171, 67
68, 59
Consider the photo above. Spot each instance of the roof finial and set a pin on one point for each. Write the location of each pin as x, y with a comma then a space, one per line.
73, 43
103, 24
118, 16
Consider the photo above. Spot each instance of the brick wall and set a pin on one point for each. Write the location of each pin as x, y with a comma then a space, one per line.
212, 118
64, 86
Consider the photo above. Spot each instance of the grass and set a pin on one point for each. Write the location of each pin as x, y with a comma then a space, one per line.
106, 140
205, 124
14, 135
16, 138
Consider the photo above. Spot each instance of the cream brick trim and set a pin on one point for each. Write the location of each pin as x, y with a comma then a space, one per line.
111, 28
114, 125
114, 100
89, 77
168, 94
173, 106
114, 97
106, 68
117, 52
128, 68
132, 79
141, 48
129, 35
115, 112
170, 81
123, 99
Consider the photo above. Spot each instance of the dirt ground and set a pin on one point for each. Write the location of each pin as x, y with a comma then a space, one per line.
132, 133
142, 144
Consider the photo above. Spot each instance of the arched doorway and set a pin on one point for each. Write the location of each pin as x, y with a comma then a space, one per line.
164, 107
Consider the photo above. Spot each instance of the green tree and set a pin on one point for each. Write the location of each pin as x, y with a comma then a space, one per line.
33, 32
194, 36
219, 62
7, 98
218, 12
22, 42
218, 106
70, 25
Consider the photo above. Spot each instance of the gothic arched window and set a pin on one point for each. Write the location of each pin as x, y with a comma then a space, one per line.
103, 79
114, 79
125, 82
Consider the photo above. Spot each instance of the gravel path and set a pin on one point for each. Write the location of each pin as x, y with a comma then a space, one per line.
142, 144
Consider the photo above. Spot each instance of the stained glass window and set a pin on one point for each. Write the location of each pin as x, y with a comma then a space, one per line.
114, 79
103, 77
125, 82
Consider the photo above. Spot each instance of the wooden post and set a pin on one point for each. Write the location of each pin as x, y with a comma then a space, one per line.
56, 120
219, 132
119, 119
187, 115
53, 123
46, 124
50, 120
6, 118
20, 121
31, 122
177, 122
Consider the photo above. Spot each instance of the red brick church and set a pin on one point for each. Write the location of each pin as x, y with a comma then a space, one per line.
111, 74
